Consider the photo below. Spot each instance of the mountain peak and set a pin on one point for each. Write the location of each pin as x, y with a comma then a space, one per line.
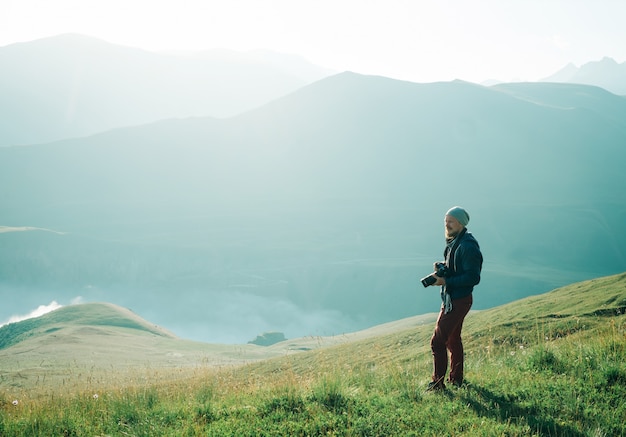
91, 85
606, 73
563, 75
608, 60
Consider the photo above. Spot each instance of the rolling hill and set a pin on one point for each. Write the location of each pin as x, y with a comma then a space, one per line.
317, 214
80, 315
101, 338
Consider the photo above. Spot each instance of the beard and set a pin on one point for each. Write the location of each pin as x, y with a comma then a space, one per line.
451, 234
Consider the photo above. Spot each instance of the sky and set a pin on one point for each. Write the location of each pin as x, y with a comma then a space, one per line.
415, 40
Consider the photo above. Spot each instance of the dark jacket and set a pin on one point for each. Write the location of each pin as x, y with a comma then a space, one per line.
464, 261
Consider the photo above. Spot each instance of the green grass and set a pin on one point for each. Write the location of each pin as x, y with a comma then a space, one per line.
549, 365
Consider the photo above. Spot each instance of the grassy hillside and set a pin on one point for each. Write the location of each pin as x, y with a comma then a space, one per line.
79, 315
80, 343
102, 342
549, 365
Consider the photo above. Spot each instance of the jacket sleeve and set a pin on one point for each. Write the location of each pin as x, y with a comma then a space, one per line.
469, 263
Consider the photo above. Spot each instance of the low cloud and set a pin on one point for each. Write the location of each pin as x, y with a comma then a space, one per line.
238, 317
39, 311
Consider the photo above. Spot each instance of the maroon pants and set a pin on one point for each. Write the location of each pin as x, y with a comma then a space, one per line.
447, 337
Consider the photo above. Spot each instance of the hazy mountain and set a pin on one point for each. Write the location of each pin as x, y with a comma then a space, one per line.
563, 75
319, 212
72, 85
606, 73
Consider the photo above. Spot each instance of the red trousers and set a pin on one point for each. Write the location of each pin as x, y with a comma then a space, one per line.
447, 337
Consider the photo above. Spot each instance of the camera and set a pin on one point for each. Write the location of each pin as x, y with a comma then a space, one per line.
440, 270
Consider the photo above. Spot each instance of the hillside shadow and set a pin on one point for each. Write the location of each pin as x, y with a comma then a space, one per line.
506, 409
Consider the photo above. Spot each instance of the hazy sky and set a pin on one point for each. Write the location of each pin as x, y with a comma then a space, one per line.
416, 40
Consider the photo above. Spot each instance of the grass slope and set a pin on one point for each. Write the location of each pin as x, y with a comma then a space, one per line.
102, 341
105, 315
549, 365
96, 339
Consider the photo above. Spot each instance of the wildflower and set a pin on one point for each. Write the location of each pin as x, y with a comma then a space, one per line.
95, 396
15, 402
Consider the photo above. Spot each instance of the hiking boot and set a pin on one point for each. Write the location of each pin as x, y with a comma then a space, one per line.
436, 386
464, 383
458, 384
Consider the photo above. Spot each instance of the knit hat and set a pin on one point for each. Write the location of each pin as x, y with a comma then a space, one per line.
460, 214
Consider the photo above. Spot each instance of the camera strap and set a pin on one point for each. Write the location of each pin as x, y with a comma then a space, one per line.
449, 255
450, 251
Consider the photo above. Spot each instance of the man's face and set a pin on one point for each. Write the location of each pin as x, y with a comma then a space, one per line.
453, 227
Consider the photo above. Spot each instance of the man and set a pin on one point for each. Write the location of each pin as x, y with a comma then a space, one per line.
463, 261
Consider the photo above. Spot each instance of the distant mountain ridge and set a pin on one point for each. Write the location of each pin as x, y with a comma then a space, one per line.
72, 85
606, 73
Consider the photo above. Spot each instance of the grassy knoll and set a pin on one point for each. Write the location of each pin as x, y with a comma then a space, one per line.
549, 365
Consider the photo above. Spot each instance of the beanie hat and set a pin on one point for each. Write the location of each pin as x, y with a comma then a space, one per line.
460, 214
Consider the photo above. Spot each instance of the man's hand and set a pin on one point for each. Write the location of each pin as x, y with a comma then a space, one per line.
439, 280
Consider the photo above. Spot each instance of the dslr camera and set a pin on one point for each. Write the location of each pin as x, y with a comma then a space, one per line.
440, 270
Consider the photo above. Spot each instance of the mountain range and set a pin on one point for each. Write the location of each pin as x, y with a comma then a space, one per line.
73, 85
317, 212
606, 73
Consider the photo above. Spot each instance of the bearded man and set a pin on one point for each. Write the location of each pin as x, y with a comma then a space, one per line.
463, 265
